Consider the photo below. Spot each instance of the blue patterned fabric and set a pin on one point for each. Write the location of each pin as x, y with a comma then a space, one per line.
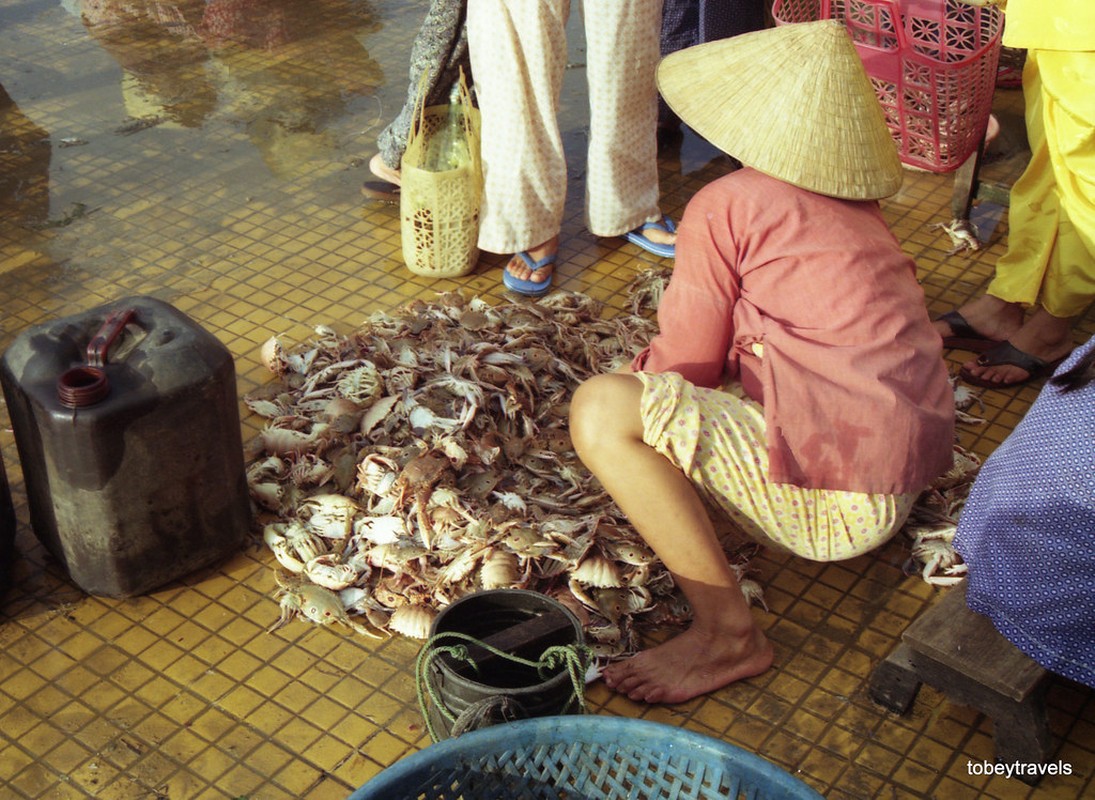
1027, 532
690, 22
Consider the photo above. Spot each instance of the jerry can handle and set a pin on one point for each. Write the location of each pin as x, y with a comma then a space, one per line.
113, 325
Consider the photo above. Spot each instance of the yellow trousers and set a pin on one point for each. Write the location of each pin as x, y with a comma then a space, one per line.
1051, 240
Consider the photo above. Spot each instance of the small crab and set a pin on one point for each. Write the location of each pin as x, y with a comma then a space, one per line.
964, 399
418, 478
943, 566
318, 605
963, 235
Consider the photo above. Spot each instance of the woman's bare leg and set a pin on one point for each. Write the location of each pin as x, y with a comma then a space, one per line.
723, 643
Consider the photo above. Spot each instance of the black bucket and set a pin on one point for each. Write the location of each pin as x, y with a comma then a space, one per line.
520, 624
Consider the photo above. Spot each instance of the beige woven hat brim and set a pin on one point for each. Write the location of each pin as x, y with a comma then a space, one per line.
792, 101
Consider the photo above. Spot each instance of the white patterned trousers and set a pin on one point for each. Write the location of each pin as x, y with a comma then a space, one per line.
518, 54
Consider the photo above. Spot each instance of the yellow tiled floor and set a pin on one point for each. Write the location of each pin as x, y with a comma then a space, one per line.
211, 155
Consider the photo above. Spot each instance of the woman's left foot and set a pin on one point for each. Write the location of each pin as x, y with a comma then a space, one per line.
1007, 360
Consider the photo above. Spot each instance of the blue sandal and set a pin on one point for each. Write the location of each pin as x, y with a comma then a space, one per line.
530, 288
638, 237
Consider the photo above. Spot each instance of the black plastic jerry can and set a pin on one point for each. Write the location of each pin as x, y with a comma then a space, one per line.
127, 426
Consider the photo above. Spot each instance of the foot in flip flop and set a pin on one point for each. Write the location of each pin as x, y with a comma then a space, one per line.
528, 275
1031, 352
1006, 354
659, 237
980, 324
962, 335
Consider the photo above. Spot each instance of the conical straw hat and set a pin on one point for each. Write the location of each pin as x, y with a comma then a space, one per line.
792, 101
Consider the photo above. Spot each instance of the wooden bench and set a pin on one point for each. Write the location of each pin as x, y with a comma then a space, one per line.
960, 653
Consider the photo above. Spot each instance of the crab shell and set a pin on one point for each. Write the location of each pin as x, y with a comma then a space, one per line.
331, 572
499, 570
380, 529
596, 570
376, 474
338, 408
272, 355
362, 384
284, 441
412, 620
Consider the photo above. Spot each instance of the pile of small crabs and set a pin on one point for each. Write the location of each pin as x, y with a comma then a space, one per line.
933, 522
426, 455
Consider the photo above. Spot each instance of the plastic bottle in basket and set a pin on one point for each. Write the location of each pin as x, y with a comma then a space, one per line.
447, 148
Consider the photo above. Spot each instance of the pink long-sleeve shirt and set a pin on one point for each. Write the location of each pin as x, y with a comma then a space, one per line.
850, 369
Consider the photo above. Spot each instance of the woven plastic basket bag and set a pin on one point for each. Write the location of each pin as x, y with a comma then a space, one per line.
441, 187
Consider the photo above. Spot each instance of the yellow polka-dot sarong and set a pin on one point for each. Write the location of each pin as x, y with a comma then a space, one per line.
717, 438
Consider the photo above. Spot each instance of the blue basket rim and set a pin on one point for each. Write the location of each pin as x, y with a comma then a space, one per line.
542, 730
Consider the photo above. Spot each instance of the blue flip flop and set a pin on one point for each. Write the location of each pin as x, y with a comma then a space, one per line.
530, 288
638, 237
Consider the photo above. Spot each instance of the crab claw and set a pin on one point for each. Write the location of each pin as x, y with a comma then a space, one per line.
367, 630
275, 539
289, 608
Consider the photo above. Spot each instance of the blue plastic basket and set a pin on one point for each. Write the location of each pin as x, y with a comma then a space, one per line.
586, 757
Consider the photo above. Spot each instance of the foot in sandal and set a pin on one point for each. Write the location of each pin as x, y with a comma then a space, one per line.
529, 272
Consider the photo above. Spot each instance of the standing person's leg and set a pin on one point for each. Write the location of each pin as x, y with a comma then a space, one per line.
723, 643
518, 54
680, 29
719, 19
621, 57
998, 314
439, 51
1050, 261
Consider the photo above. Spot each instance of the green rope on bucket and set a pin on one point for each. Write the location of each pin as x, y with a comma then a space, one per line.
575, 658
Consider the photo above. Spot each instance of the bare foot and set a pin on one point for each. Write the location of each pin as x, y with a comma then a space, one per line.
520, 270
1043, 336
689, 665
990, 316
383, 171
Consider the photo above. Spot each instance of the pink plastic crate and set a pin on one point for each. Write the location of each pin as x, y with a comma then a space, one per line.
933, 65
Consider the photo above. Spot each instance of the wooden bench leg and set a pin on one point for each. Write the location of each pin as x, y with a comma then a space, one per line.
894, 682
1021, 726
1021, 732
959, 652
